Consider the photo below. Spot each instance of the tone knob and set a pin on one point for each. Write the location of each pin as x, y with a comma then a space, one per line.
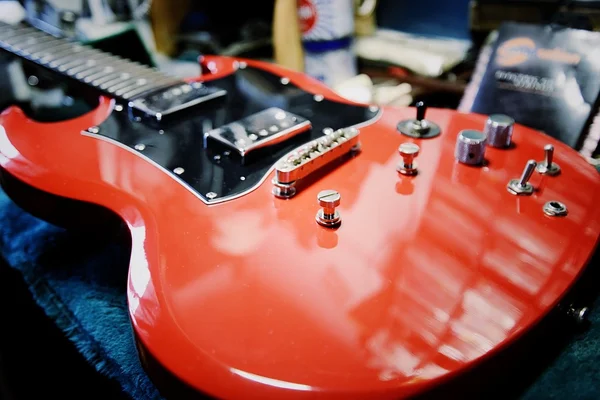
499, 130
328, 215
408, 152
470, 147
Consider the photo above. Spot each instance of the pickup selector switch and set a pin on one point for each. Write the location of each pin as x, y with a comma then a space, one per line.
470, 147
419, 127
499, 130
522, 186
548, 166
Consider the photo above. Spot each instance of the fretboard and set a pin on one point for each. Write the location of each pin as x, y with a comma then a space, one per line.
112, 75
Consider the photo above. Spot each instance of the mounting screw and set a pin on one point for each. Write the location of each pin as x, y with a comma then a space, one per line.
328, 216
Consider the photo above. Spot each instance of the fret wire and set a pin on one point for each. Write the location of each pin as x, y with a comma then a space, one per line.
120, 76
133, 75
149, 85
51, 58
83, 56
89, 63
58, 50
118, 66
29, 50
139, 92
96, 71
129, 70
17, 32
111, 74
57, 61
133, 82
108, 80
115, 84
45, 42
18, 41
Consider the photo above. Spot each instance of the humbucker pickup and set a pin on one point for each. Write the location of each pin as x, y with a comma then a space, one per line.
310, 157
267, 127
165, 102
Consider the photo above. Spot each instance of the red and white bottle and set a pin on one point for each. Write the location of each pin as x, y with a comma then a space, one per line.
327, 28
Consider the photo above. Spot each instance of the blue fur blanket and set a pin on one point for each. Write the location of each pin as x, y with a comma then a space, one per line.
81, 286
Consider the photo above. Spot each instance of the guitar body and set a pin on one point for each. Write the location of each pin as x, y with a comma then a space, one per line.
245, 295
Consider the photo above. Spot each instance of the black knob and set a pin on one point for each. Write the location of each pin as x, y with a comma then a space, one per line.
421, 110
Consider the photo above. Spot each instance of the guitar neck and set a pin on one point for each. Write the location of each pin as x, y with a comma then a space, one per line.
114, 76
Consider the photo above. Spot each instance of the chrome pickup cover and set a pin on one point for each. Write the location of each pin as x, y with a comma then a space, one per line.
267, 127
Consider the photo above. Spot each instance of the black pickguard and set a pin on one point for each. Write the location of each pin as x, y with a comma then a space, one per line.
209, 167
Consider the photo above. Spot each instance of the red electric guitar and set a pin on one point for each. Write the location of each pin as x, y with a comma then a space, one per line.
290, 244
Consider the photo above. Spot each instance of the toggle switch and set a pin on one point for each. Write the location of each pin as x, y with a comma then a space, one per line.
408, 152
328, 216
419, 127
548, 167
522, 186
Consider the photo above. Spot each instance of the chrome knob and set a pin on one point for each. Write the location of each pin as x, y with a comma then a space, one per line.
499, 130
522, 186
328, 215
470, 147
408, 152
548, 167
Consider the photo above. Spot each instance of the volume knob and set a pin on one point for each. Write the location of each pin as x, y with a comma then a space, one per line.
499, 130
470, 147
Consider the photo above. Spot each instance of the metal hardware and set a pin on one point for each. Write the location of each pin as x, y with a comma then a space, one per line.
285, 80
555, 209
408, 152
548, 167
318, 97
264, 128
578, 314
211, 195
328, 216
420, 127
522, 186
93, 129
470, 147
140, 146
179, 170
163, 103
499, 130
310, 157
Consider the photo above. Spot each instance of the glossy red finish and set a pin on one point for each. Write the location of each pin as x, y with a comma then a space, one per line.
426, 276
